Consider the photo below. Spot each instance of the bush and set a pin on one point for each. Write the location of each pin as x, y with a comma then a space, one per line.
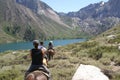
9, 75
97, 52
88, 44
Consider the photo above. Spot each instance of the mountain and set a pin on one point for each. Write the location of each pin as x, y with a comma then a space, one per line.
94, 18
34, 19
41, 8
28, 20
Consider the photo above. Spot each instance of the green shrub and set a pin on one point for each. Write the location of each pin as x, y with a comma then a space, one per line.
9, 75
88, 44
117, 39
97, 52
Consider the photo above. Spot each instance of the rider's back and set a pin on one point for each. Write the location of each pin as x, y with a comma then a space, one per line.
37, 57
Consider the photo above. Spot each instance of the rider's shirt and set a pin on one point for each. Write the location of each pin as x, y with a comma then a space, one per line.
37, 57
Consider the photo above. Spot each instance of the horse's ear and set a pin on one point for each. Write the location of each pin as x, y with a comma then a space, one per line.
30, 77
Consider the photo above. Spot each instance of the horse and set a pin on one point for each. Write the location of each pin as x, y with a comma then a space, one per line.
50, 53
37, 75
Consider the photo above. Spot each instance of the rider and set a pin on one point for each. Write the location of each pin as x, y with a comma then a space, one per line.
41, 46
50, 50
37, 59
50, 45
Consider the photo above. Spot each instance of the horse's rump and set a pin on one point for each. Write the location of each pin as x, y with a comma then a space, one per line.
37, 75
51, 51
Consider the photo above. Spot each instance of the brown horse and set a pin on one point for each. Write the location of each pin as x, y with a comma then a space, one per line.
50, 53
37, 75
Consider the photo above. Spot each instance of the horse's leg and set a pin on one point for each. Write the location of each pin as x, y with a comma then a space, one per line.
52, 56
49, 56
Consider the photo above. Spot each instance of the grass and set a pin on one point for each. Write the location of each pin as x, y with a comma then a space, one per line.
65, 61
97, 52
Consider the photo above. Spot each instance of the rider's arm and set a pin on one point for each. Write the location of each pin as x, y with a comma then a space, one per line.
43, 52
30, 56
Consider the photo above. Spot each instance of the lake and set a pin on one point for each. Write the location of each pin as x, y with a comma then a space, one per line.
28, 45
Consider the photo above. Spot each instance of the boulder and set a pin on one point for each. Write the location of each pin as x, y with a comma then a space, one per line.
89, 72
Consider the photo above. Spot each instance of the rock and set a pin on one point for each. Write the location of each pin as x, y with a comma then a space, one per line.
89, 72
119, 46
111, 37
14, 52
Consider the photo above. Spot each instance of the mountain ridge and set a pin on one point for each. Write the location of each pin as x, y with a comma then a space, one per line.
19, 22
34, 19
95, 18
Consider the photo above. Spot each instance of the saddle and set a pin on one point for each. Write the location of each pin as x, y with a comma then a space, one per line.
46, 74
41, 68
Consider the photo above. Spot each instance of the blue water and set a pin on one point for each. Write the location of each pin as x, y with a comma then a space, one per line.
28, 45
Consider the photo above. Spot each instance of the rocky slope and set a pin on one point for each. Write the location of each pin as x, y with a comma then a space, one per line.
40, 8
95, 18
28, 20
33, 19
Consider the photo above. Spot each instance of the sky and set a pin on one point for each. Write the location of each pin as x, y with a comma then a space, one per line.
69, 5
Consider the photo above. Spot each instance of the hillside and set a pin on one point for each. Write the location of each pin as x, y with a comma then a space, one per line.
94, 18
101, 51
25, 20
28, 20
21, 21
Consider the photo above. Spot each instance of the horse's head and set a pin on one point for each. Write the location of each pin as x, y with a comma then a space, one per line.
36, 75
